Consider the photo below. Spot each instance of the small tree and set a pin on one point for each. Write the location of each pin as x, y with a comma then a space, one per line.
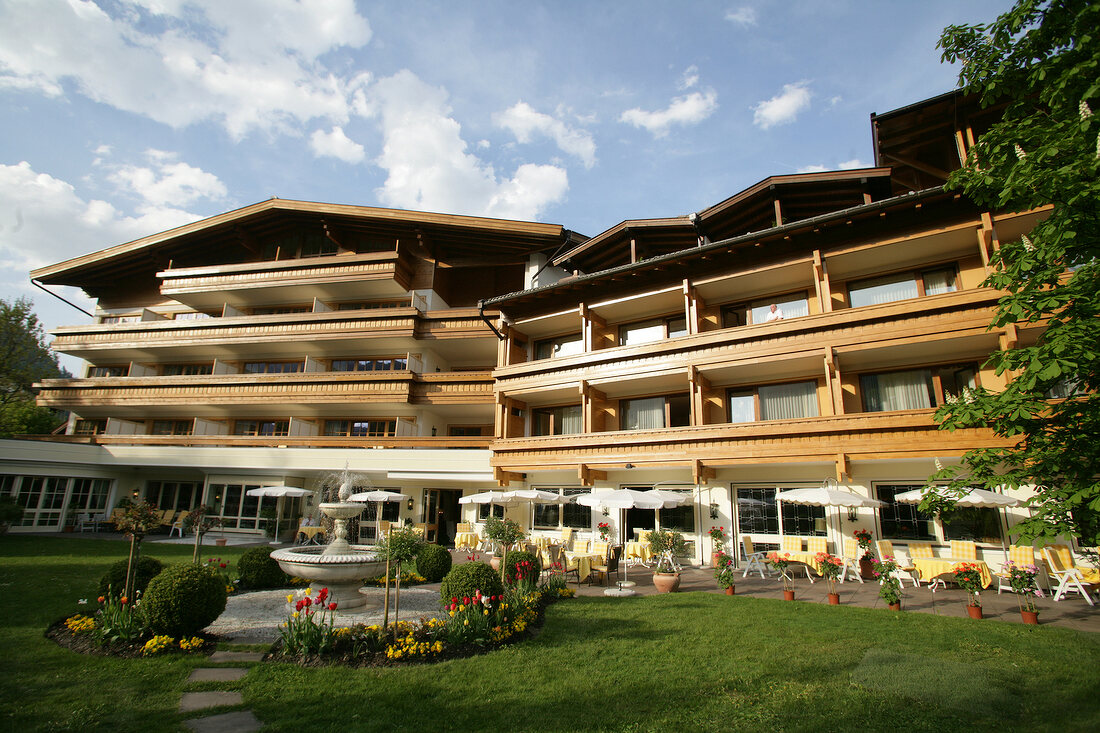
505, 533
201, 519
138, 519
400, 546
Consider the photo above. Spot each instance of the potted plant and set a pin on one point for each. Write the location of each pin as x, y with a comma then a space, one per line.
830, 566
867, 560
605, 531
724, 573
969, 579
717, 543
505, 533
885, 570
781, 563
10, 513
1022, 580
665, 546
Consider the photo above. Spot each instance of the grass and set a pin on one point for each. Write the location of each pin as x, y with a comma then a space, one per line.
689, 661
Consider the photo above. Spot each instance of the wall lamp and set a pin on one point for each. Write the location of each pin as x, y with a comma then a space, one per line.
410, 504
713, 510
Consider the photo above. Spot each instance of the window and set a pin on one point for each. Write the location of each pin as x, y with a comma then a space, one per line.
907, 522
192, 316
774, 402
89, 495
234, 506
791, 305
656, 329
261, 427
760, 513
90, 427
272, 367
298, 244
186, 370
120, 319
175, 495
372, 305
273, 310
172, 427
556, 420
387, 364
560, 346
317, 245
108, 371
901, 286
561, 516
650, 413
361, 428
483, 511
915, 389
1065, 388
468, 431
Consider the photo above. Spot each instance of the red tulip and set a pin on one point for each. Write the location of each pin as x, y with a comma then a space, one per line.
332, 606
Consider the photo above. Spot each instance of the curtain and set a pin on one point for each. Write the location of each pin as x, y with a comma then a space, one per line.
642, 333
939, 281
787, 401
570, 420
647, 414
742, 407
897, 391
883, 290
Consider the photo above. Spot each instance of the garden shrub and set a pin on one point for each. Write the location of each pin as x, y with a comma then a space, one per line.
464, 579
115, 577
256, 569
433, 562
183, 600
515, 557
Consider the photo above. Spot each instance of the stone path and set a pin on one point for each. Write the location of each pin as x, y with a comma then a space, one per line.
240, 721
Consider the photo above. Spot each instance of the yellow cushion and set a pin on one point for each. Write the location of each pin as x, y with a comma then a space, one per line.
920, 549
791, 544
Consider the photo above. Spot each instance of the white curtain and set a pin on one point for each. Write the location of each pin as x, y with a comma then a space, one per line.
896, 391
883, 290
939, 281
742, 408
642, 333
647, 414
787, 401
570, 420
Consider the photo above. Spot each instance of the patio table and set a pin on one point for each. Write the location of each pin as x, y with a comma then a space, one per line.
930, 567
637, 551
806, 558
466, 540
582, 561
309, 534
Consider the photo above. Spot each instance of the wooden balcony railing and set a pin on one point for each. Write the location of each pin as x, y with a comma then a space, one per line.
230, 441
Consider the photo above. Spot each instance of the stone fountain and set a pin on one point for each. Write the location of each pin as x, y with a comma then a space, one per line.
339, 566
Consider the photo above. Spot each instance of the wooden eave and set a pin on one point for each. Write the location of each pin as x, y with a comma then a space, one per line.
453, 235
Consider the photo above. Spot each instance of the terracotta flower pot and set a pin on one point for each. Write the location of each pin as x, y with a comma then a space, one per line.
974, 611
834, 599
220, 542
894, 606
788, 595
714, 559
666, 582
494, 563
1030, 617
729, 591
866, 569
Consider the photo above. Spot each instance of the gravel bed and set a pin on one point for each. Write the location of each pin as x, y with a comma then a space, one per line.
254, 618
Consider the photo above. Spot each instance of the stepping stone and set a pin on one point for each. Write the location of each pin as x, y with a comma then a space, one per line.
239, 722
191, 701
236, 656
217, 674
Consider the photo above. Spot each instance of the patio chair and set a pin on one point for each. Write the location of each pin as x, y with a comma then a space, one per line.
850, 558
965, 549
566, 536
463, 527
787, 543
166, 516
921, 549
600, 548
580, 545
1071, 578
177, 523
557, 555
815, 545
905, 569
609, 565
86, 522
754, 561
1018, 555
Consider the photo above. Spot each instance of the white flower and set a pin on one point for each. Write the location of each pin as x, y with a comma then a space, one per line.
1083, 108
82, 602
1027, 243
1019, 151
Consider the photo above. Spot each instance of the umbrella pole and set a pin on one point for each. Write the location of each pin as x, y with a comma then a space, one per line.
386, 603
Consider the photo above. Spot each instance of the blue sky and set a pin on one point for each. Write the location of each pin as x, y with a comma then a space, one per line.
126, 117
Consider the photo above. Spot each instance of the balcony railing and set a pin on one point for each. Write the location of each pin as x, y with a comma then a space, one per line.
236, 441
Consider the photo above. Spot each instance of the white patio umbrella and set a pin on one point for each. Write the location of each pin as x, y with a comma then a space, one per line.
279, 492
632, 499
981, 498
378, 496
822, 496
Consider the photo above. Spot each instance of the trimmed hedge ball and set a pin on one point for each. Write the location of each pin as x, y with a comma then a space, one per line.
513, 567
256, 570
115, 577
464, 579
433, 562
183, 600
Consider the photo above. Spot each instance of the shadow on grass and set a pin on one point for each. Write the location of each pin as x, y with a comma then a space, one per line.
931, 681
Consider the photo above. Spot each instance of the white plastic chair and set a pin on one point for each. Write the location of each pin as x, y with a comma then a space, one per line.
1067, 575
850, 558
754, 561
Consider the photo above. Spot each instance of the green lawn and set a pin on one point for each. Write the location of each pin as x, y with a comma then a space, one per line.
685, 661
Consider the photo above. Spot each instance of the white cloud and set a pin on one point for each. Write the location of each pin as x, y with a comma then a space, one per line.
336, 144
524, 122
846, 165
689, 78
428, 165
247, 64
689, 109
782, 108
812, 169
168, 182
745, 16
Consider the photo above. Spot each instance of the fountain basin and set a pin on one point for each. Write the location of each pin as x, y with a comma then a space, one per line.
342, 573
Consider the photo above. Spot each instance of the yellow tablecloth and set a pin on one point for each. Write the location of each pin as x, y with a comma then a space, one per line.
807, 558
930, 567
639, 550
582, 561
310, 533
466, 540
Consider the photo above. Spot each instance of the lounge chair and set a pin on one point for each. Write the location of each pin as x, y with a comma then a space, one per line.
754, 561
1071, 578
1018, 555
905, 569
850, 558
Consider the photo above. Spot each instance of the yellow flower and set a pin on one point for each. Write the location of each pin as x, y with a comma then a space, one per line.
296, 614
290, 599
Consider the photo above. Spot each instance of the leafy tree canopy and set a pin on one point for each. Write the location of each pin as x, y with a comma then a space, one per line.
1042, 60
24, 359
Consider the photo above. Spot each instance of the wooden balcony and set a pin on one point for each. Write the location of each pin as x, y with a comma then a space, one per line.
866, 436
240, 441
312, 388
294, 333
337, 277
